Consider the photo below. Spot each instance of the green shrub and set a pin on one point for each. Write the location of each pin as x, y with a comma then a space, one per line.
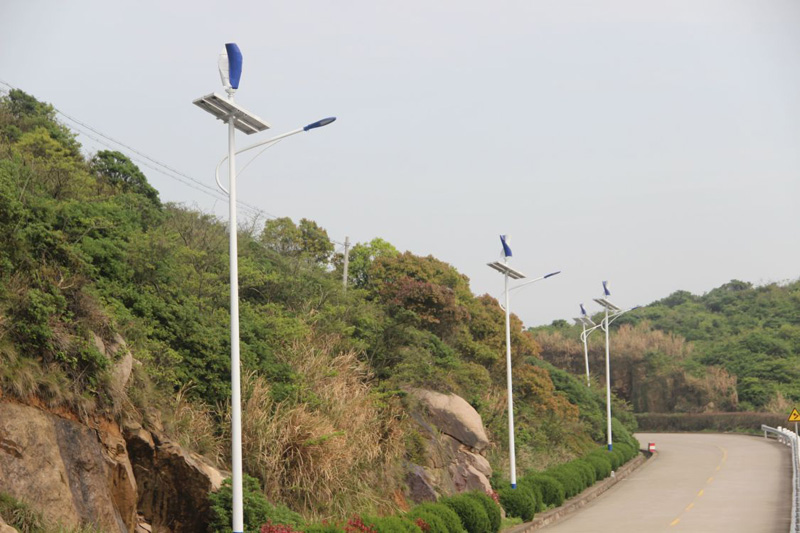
435, 523
257, 510
626, 450
491, 508
470, 511
569, 477
536, 489
392, 524
447, 515
552, 490
612, 457
520, 502
620, 458
587, 472
601, 465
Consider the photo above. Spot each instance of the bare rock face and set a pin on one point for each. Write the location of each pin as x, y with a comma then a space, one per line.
454, 441
5, 528
173, 484
455, 417
72, 473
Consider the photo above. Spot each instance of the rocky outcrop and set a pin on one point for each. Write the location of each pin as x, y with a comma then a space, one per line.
173, 484
454, 440
73, 474
5, 528
454, 416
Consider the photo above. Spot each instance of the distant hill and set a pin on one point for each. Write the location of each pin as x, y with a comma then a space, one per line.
736, 347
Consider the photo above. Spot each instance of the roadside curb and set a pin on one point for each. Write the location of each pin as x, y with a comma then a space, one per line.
579, 501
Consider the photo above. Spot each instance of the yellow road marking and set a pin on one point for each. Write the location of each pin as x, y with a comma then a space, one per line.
708, 481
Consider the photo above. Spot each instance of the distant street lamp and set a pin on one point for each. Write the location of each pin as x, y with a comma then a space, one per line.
237, 118
585, 321
509, 272
616, 312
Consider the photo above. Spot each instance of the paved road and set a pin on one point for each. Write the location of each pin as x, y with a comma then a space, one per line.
698, 483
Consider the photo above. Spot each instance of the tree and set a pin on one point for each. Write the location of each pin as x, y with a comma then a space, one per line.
361, 258
308, 240
121, 172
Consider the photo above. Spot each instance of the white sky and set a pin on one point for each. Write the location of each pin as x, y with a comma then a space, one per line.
652, 144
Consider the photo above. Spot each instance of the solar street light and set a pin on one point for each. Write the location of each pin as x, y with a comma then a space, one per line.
237, 118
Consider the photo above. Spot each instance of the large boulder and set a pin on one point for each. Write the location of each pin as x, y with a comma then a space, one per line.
453, 440
454, 416
71, 473
5, 528
173, 484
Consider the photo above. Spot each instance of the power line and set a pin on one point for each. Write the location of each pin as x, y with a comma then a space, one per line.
160, 167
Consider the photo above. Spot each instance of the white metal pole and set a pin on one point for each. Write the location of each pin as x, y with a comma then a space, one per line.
608, 387
586, 354
346, 261
236, 390
512, 454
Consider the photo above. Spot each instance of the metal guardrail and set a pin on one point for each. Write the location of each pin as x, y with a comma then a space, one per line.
789, 438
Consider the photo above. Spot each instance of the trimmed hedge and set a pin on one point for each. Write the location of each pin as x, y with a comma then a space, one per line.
601, 465
586, 470
569, 476
470, 511
519, 502
392, 524
435, 524
552, 490
447, 515
491, 508
526, 481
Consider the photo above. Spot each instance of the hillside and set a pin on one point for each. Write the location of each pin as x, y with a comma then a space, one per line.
736, 347
91, 257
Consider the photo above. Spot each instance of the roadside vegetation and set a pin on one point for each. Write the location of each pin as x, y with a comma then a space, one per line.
735, 348
89, 255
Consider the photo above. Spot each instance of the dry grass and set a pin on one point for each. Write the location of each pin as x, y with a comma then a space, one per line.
193, 425
332, 454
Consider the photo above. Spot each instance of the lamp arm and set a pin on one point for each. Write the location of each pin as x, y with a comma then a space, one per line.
262, 143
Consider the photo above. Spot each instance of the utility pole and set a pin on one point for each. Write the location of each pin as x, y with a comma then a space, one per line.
346, 261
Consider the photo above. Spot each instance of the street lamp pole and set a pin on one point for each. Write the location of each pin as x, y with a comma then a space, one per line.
509, 272
225, 109
584, 320
608, 307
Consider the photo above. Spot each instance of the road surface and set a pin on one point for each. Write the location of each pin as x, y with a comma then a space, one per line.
698, 483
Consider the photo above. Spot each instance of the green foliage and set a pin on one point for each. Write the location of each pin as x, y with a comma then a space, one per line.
553, 492
601, 464
447, 515
123, 173
434, 523
569, 476
392, 524
586, 470
470, 511
491, 508
519, 502
257, 510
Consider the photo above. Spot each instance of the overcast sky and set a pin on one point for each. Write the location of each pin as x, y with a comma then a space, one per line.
652, 144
